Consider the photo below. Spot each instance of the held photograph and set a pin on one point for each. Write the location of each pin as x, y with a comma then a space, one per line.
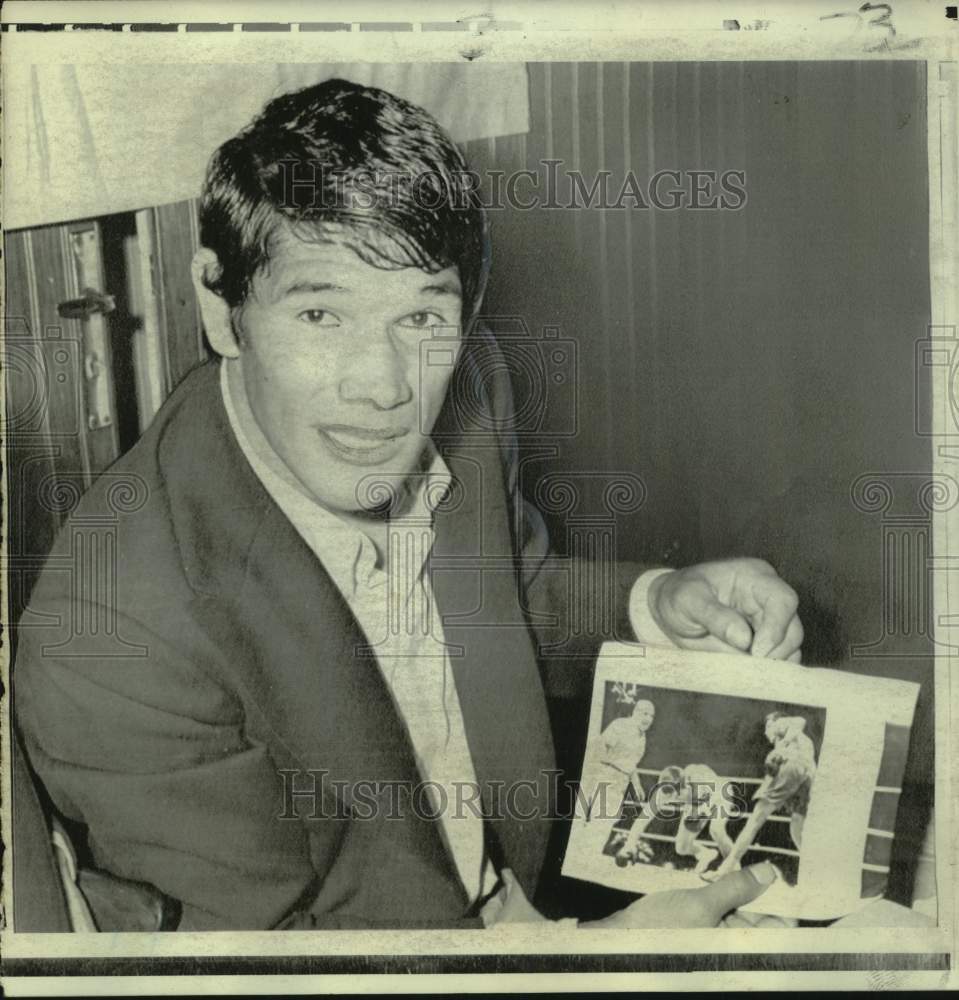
683, 785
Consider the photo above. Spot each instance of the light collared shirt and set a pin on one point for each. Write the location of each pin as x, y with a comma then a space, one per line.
394, 606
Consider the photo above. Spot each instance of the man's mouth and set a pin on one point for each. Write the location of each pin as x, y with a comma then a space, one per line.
363, 445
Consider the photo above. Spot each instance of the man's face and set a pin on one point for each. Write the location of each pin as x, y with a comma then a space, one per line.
330, 355
643, 715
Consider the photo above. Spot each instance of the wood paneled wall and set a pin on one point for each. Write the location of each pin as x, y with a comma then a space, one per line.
729, 357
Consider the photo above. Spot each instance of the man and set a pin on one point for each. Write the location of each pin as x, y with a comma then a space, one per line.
694, 792
623, 748
790, 768
329, 583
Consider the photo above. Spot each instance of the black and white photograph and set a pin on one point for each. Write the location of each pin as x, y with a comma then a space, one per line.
480, 494
683, 784
766, 760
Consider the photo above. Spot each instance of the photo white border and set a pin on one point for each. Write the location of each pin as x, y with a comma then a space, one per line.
531, 32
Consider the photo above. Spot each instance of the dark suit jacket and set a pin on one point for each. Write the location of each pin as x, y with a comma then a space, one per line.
192, 649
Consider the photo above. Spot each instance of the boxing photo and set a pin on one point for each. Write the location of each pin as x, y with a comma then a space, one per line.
696, 766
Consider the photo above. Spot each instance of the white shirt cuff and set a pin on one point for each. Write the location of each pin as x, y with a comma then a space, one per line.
640, 616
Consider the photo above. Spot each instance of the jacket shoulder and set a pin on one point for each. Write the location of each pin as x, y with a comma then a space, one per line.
125, 521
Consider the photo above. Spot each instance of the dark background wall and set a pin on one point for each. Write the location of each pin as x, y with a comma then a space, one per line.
727, 356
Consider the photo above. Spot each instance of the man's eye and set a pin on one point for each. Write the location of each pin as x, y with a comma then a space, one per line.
319, 317
422, 320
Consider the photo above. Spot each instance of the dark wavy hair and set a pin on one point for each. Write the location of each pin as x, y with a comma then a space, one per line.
378, 168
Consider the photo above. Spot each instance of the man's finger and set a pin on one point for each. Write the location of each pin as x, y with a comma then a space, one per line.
737, 889
779, 604
791, 641
778, 922
795, 657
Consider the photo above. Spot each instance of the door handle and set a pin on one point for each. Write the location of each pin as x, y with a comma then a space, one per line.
90, 303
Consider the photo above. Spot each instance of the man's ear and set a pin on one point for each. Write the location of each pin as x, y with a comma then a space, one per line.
213, 309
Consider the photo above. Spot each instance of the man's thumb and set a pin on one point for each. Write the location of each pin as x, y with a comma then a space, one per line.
738, 888
703, 610
726, 624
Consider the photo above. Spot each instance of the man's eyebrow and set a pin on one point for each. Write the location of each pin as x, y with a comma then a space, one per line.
307, 287
443, 288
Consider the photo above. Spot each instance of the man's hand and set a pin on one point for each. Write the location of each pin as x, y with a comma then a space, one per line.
733, 606
703, 907
510, 905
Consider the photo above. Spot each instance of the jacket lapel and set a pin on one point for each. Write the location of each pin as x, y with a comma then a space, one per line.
494, 664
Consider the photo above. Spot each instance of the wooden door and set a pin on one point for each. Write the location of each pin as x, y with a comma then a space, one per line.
60, 427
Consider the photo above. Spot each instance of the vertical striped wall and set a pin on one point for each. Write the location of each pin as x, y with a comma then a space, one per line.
732, 358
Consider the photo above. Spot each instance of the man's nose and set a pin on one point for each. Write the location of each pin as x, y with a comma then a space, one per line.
377, 373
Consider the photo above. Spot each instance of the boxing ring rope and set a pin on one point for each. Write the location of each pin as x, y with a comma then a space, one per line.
885, 789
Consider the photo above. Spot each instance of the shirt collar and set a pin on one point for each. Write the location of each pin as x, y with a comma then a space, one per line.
347, 553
